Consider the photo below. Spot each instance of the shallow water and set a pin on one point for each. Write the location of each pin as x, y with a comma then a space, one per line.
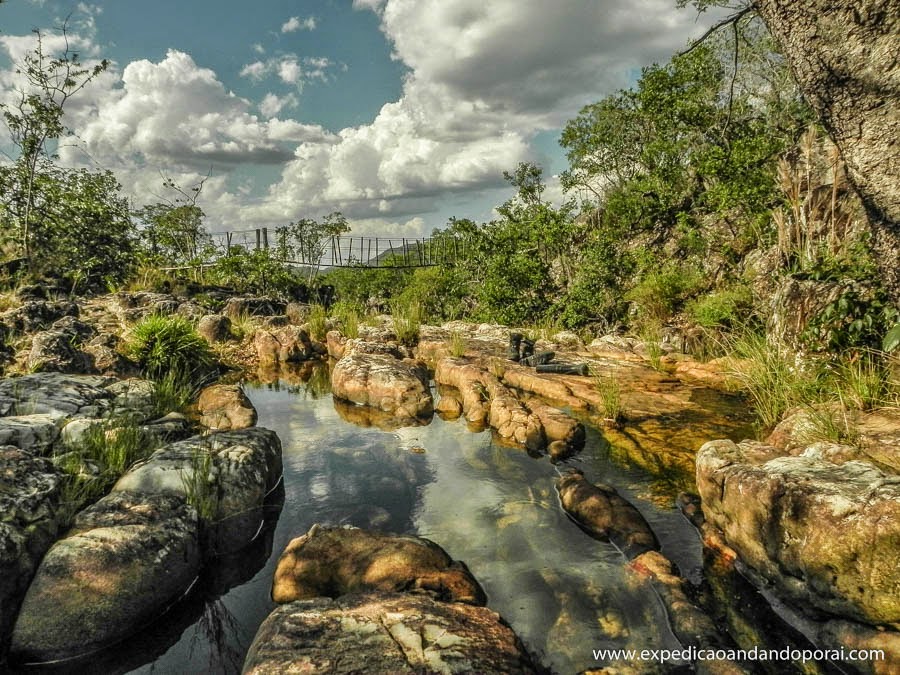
493, 507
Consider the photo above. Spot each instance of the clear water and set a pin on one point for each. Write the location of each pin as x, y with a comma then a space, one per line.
493, 507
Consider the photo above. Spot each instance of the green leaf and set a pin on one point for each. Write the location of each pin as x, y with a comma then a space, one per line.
891, 339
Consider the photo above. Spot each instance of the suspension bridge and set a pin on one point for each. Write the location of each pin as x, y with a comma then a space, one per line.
348, 251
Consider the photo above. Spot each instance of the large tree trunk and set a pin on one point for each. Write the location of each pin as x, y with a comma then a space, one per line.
845, 56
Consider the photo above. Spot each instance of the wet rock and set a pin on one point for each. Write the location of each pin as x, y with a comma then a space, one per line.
332, 562
214, 328
850, 635
29, 499
385, 633
399, 387
691, 508
289, 344
335, 342
125, 561
254, 306
234, 469
565, 434
826, 535
449, 407
225, 406
605, 515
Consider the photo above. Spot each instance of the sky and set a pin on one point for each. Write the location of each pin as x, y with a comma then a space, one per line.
398, 113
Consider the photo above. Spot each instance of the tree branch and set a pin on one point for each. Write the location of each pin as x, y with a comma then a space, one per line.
733, 19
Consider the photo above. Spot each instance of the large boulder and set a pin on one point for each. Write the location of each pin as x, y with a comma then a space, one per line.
229, 473
57, 351
124, 562
256, 306
335, 561
214, 328
605, 515
225, 406
385, 633
29, 499
289, 344
824, 534
35, 433
55, 394
382, 381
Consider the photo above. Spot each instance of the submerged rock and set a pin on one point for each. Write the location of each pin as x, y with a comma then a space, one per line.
29, 500
384, 382
605, 515
334, 561
385, 633
826, 535
125, 561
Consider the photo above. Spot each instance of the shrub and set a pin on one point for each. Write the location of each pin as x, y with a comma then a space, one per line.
317, 322
726, 308
457, 344
660, 292
610, 395
407, 320
169, 345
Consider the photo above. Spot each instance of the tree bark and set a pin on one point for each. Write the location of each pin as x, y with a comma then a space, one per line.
845, 56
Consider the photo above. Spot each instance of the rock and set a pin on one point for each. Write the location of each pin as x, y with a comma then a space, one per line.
364, 416
253, 306
826, 535
37, 315
796, 302
191, 311
225, 406
449, 407
399, 387
214, 328
56, 351
289, 344
124, 562
236, 470
105, 360
605, 515
75, 430
170, 427
35, 433
850, 635
133, 395
385, 633
29, 499
55, 394
559, 429
335, 342
386, 348
335, 561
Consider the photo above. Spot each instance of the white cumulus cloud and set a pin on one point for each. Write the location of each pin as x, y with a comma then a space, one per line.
295, 23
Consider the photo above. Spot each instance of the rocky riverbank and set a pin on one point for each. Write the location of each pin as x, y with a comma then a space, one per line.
817, 524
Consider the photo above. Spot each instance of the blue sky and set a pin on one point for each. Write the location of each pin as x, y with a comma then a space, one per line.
399, 113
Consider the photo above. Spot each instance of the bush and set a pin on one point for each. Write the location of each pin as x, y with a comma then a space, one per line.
407, 320
660, 292
725, 308
169, 346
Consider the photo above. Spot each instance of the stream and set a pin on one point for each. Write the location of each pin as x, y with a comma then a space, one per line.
493, 507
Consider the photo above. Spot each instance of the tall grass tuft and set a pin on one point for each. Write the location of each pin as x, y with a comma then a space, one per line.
317, 322
173, 392
866, 382
610, 396
199, 485
457, 344
166, 344
347, 315
407, 322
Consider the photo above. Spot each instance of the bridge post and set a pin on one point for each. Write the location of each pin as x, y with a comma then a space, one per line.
265, 237
258, 238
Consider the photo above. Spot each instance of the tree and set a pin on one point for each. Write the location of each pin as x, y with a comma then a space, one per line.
843, 56
34, 120
307, 239
173, 229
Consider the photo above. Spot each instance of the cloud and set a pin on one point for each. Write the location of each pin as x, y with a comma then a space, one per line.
294, 24
271, 104
289, 69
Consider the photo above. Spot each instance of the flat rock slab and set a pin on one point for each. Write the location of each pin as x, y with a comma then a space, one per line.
334, 561
385, 633
826, 535
35, 433
125, 561
605, 515
29, 499
54, 394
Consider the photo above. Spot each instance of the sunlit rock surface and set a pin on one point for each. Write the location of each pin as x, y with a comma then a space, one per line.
604, 514
334, 561
29, 501
288, 344
225, 406
126, 559
825, 534
385, 633
384, 382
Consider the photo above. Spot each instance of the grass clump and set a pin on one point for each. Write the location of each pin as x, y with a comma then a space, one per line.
407, 322
457, 344
172, 392
347, 316
610, 396
199, 485
243, 325
317, 322
169, 344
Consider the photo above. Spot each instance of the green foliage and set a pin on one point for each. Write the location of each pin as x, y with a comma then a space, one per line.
169, 345
856, 320
661, 291
441, 290
347, 316
307, 239
172, 392
359, 285
726, 308
610, 396
316, 321
199, 485
457, 344
407, 319
891, 339
257, 272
